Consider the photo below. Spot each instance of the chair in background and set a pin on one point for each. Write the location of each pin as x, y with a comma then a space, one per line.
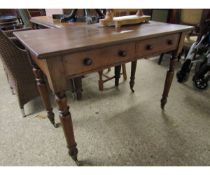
101, 73
25, 16
37, 12
81, 15
189, 17
101, 81
18, 70
161, 15
10, 19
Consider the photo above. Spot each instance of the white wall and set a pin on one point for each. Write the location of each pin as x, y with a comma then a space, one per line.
49, 12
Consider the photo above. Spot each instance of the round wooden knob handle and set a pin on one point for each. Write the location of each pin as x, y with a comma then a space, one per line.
170, 42
149, 47
87, 61
122, 53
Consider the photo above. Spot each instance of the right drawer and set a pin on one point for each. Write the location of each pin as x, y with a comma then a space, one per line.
158, 45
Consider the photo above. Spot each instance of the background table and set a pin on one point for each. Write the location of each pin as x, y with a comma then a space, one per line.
49, 22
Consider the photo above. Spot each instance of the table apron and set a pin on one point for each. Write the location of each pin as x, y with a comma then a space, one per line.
59, 69
75, 64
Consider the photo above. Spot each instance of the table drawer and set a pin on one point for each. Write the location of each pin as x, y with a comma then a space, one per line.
157, 45
96, 59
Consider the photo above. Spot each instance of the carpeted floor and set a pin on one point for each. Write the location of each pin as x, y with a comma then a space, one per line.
114, 127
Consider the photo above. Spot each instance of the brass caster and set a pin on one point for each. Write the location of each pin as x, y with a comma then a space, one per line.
73, 153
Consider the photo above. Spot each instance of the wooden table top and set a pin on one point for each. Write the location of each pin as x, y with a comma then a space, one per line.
49, 42
49, 22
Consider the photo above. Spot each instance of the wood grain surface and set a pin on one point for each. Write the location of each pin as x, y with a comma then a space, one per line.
46, 43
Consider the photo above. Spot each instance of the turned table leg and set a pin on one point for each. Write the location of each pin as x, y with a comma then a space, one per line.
117, 75
168, 80
78, 87
100, 81
66, 121
133, 72
42, 88
124, 72
73, 89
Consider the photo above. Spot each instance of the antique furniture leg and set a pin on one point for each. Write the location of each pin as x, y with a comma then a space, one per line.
66, 121
100, 81
23, 111
42, 88
168, 80
124, 72
101, 74
78, 87
73, 89
12, 90
133, 71
160, 58
117, 75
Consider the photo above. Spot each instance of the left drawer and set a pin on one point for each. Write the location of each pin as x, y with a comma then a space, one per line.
96, 59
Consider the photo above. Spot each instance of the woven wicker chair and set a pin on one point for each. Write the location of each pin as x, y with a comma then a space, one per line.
18, 70
101, 81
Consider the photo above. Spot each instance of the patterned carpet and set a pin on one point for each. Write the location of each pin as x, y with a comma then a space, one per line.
114, 127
